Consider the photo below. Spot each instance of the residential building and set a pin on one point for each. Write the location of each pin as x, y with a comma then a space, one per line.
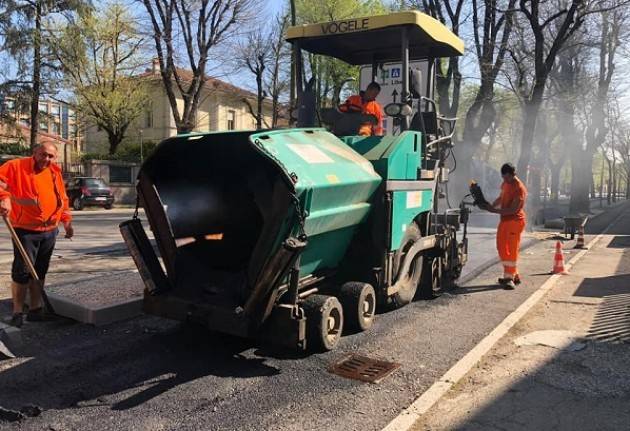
57, 124
221, 108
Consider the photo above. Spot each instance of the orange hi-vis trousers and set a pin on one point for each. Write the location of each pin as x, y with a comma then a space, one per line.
508, 244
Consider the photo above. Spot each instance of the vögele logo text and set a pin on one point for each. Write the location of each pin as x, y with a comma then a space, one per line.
346, 26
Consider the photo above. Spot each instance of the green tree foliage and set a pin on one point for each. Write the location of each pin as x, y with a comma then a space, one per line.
17, 149
330, 73
24, 25
99, 55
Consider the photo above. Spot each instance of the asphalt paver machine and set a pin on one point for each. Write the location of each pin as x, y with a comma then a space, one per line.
292, 235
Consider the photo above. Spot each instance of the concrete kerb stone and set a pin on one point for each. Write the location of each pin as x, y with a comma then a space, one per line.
97, 316
409, 416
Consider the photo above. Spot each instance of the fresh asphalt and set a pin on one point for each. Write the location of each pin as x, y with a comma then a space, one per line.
152, 374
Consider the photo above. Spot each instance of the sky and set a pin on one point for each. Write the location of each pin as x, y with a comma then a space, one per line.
275, 5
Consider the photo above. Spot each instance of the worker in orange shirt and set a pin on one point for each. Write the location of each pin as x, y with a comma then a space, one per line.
510, 206
33, 197
366, 103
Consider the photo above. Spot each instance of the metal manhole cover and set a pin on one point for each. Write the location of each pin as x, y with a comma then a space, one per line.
362, 368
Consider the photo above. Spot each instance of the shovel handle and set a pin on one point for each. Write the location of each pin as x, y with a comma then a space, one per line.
21, 249
28, 261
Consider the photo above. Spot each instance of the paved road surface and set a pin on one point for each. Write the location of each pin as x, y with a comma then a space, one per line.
150, 374
95, 231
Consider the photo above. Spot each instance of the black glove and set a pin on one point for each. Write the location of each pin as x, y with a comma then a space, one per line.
478, 198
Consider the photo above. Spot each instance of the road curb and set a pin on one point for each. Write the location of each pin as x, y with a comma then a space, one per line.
409, 416
97, 316
609, 208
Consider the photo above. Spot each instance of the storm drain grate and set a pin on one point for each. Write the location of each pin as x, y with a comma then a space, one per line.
362, 368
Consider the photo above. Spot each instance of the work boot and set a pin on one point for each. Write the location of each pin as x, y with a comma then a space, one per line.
509, 284
17, 320
36, 315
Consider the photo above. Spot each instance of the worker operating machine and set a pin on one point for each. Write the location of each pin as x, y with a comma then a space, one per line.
293, 235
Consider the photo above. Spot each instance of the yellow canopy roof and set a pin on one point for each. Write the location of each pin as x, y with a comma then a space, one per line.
378, 38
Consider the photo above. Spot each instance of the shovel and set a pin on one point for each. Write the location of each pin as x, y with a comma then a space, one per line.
29, 264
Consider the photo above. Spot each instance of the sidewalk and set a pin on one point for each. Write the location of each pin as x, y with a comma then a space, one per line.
565, 366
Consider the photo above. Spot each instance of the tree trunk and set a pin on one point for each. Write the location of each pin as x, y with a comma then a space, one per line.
294, 58
259, 99
448, 87
114, 141
556, 169
533, 195
601, 184
37, 63
479, 118
609, 185
531, 109
582, 172
614, 182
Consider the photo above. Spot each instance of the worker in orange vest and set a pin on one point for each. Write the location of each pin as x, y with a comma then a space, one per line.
366, 103
510, 205
33, 197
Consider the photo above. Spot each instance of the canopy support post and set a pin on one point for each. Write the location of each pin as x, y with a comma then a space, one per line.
374, 69
431, 70
405, 75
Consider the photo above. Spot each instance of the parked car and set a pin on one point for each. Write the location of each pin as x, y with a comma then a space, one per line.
84, 191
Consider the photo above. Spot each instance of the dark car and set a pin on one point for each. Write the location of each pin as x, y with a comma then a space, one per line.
83, 191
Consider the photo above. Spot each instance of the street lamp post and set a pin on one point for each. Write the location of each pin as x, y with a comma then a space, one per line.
141, 149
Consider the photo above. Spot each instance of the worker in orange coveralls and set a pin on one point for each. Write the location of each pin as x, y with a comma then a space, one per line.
33, 197
510, 206
366, 103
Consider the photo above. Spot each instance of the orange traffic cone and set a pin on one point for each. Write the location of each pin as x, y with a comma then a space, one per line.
558, 260
580, 238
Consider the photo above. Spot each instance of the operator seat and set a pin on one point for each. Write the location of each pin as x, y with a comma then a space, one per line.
345, 123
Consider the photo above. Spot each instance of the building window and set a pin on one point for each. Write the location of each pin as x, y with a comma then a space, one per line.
55, 128
43, 125
120, 174
148, 118
231, 120
55, 110
43, 107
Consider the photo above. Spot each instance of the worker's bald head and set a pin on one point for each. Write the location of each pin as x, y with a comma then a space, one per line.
44, 154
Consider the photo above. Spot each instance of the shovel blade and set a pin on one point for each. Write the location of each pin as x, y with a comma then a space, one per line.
5, 353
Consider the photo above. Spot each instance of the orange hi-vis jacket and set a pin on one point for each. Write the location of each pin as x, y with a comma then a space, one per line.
511, 227
356, 104
510, 192
38, 200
